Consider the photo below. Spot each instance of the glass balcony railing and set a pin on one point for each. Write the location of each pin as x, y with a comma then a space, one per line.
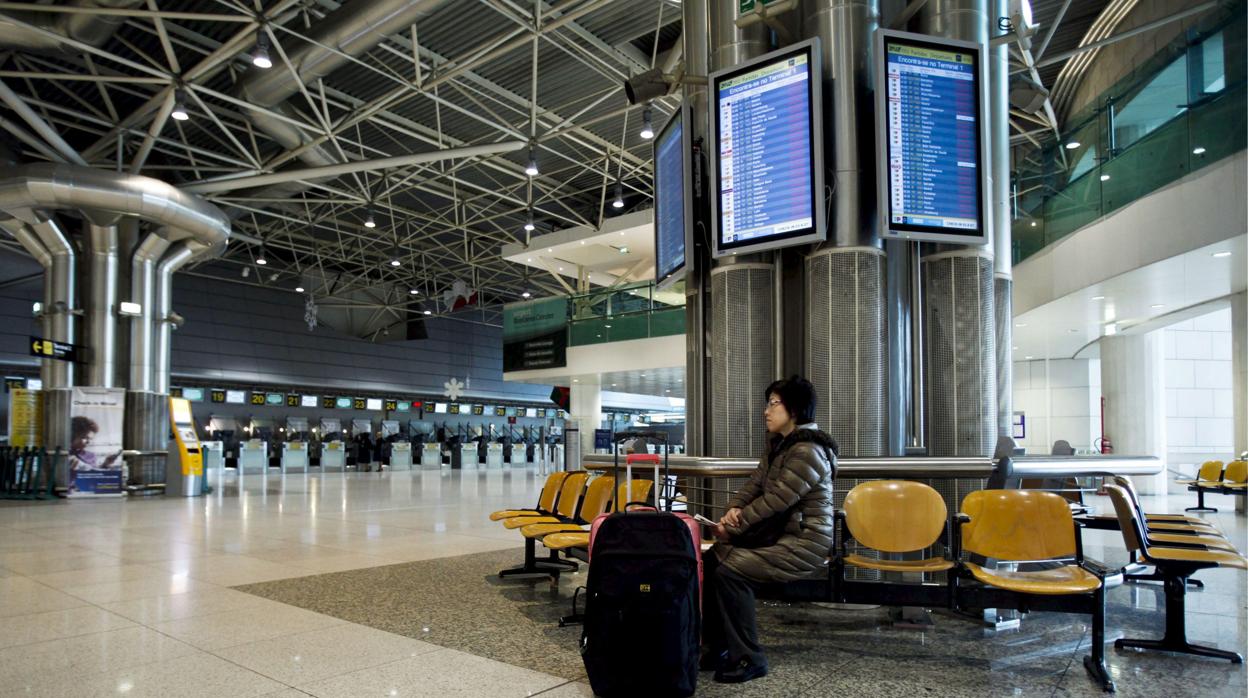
1184, 109
636, 311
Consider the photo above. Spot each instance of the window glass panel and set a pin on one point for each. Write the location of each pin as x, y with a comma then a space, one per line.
1158, 101
1213, 62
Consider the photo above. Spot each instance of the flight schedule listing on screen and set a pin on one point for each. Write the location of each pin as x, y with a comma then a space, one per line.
765, 152
669, 191
933, 139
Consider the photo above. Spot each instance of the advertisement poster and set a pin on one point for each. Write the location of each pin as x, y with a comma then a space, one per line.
535, 334
25, 418
95, 464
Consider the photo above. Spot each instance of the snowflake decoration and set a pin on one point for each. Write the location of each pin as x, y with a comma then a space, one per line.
309, 312
454, 389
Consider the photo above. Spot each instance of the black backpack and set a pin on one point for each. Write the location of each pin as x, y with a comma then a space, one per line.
643, 625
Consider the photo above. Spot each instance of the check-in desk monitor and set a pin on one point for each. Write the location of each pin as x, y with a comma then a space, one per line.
184, 469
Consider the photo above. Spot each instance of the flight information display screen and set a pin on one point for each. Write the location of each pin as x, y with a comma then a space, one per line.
671, 199
768, 152
932, 138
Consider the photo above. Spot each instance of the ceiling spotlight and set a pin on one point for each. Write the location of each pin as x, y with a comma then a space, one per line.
1104, 178
1157, 306
1198, 150
1071, 145
1098, 298
414, 292
369, 221
1029, 357
298, 289
528, 223
623, 250
531, 168
618, 201
260, 258
647, 125
246, 272
395, 253
179, 106
428, 312
526, 294
260, 54
1223, 253
1034, 224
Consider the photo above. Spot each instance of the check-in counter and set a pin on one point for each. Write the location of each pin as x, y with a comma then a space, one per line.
294, 457
253, 457
431, 456
518, 457
401, 455
493, 455
333, 456
214, 460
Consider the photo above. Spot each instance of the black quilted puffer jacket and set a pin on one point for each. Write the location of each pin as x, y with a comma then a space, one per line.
795, 477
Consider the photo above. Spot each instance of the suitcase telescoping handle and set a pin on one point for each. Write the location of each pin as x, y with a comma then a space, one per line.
622, 436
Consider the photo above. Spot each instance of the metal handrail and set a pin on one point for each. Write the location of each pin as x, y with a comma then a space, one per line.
922, 466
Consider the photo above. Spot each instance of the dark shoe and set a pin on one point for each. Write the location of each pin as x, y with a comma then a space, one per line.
741, 672
712, 660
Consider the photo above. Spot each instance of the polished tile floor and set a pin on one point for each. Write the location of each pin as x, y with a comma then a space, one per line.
132, 597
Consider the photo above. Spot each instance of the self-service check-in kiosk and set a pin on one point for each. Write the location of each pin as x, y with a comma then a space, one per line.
494, 455
295, 451
431, 455
184, 468
253, 457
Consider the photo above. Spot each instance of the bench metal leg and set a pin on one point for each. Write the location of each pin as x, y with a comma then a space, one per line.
1175, 639
532, 567
1200, 503
1095, 662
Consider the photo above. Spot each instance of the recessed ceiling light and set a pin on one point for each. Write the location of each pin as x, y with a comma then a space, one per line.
1034, 224
613, 385
1157, 306
560, 268
1014, 348
550, 249
526, 294
1029, 357
1072, 330
576, 380
1223, 253
582, 242
1198, 150
1072, 145
1020, 324
414, 292
298, 289
428, 312
1104, 178
1098, 298
607, 326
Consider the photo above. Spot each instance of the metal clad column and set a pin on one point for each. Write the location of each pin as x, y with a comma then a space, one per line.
694, 20
101, 304
960, 324
741, 325
1003, 254
846, 317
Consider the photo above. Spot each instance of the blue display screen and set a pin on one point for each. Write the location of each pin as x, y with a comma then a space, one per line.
764, 129
933, 132
669, 199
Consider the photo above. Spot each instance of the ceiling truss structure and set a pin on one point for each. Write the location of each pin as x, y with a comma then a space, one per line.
473, 73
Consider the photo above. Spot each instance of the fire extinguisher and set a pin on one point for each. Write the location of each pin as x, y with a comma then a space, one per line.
1107, 446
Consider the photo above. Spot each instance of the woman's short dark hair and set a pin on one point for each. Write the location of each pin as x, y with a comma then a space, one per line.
798, 396
82, 426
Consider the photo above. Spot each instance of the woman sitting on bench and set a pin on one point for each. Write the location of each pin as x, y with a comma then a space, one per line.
778, 528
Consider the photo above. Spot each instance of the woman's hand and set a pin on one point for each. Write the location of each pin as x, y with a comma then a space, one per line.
732, 518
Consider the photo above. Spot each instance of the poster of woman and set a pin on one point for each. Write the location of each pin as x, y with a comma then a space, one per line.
95, 463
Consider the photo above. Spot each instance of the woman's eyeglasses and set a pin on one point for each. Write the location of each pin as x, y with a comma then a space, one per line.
773, 403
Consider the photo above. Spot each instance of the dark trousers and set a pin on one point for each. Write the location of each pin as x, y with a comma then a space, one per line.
728, 619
